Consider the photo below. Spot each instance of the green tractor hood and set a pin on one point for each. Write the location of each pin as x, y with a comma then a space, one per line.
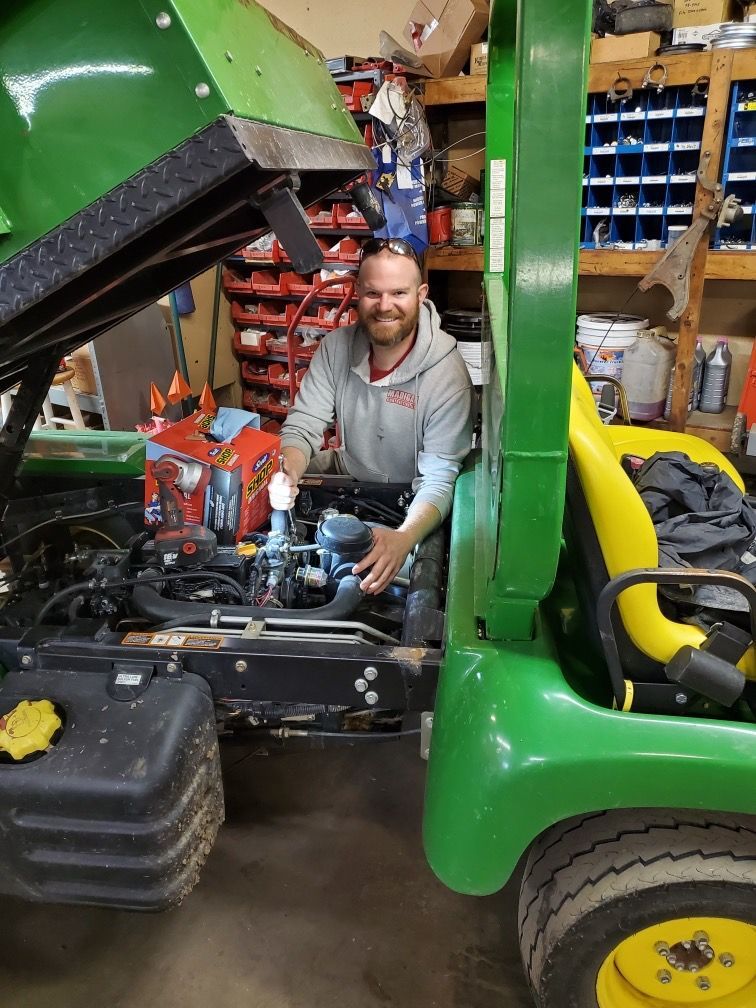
142, 142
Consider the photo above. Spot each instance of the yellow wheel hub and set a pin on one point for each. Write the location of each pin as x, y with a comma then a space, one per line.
685, 962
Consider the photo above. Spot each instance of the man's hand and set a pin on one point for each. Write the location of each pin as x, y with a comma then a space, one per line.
390, 550
282, 490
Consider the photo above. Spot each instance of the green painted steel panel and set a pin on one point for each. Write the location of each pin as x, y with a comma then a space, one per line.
516, 748
535, 124
90, 94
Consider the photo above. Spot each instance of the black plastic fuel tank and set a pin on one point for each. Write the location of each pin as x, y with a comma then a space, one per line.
123, 809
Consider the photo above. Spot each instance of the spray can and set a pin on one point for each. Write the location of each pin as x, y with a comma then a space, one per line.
699, 364
716, 378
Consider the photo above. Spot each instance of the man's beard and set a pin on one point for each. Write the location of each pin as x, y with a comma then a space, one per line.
383, 335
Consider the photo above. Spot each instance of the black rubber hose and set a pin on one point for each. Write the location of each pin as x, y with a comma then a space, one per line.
148, 603
424, 591
89, 587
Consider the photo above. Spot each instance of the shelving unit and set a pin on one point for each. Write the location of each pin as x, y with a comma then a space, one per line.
641, 157
665, 163
264, 293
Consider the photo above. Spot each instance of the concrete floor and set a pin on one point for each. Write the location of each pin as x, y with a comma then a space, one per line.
316, 894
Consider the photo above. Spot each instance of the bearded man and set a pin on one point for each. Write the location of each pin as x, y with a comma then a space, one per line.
400, 392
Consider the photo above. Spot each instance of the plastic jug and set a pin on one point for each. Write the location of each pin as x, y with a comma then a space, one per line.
716, 379
645, 372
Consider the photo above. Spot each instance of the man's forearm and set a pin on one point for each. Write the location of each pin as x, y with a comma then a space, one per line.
422, 518
295, 463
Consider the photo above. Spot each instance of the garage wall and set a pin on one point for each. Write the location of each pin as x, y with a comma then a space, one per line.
350, 27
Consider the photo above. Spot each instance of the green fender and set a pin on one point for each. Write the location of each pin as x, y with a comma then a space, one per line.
516, 749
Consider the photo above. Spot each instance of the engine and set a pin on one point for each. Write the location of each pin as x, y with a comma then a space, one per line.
295, 574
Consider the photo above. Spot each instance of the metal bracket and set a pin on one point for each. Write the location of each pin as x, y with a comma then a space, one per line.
621, 90
652, 80
287, 219
426, 730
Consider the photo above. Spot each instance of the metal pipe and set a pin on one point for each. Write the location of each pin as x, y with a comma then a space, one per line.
214, 326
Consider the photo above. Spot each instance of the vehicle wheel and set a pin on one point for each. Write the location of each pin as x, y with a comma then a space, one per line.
738, 433
643, 908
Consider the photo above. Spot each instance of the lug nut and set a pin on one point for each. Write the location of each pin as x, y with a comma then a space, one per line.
672, 959
662, 949
701, 938
703, 983
664, 976
727, 960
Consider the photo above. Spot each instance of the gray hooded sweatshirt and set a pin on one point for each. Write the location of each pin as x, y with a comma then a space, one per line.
414, 425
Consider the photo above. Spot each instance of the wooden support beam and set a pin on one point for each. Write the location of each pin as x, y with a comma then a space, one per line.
714, 131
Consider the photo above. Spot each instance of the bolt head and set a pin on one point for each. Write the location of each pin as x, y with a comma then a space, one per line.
664, 976
682, 698
163, 20
703, 983
360, 685
241, 666
371, 697
370, 673
172, 666
229, 56
727, 960
671, 958
662, 949
258, 71
26, 659
202, 90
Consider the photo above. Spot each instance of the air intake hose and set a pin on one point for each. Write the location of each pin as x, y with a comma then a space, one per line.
148, 603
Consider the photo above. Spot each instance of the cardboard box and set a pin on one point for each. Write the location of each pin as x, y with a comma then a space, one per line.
458, 183
614, 48
692, 13
442, 32
479, 59
701, 33
84, 376
231, 497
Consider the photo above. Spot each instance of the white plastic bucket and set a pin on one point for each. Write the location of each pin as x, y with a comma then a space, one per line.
604, 338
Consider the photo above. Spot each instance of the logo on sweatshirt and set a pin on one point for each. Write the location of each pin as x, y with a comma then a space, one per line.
401, 398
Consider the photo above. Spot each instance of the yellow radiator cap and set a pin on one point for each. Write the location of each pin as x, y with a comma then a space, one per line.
28, 728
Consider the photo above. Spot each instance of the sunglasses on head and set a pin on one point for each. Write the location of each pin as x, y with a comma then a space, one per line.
396, 245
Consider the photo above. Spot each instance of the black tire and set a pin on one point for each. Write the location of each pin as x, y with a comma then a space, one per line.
592, 881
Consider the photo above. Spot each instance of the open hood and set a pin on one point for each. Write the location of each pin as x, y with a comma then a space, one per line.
148, 147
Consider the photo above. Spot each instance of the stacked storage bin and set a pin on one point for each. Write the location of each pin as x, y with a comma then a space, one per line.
739, 167
641, 157
264, 291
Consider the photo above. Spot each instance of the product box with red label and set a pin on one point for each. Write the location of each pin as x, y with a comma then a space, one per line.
224, 484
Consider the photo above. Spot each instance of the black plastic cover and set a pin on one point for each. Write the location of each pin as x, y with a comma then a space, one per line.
124, 810
346, 536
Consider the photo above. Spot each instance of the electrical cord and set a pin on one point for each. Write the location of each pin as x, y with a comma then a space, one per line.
113, 509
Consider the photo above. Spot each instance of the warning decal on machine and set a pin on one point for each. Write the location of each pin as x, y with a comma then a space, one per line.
204, 642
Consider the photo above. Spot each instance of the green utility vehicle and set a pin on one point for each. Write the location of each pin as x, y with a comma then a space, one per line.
577, 721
